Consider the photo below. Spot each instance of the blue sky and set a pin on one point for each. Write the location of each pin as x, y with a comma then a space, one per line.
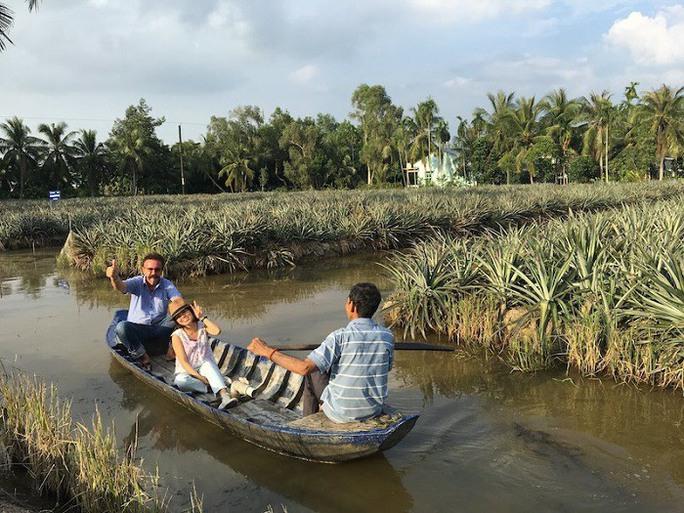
85, 61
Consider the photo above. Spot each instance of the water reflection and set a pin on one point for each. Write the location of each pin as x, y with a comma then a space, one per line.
245, 296
319, 487
25, 272
487, 440
646, 422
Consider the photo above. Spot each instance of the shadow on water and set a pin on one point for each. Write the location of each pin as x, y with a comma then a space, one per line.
320, 487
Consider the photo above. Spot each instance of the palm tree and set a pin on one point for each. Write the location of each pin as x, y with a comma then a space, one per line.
403, 134
663, 110
497, 124
525, 130
90, 155
426, 118
59, 154
464, 141
20, 149
596, 113
6, 20
131, 146
631, 93
559, 119
442, 136
236, 168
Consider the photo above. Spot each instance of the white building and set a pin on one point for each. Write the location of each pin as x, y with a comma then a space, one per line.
430, 171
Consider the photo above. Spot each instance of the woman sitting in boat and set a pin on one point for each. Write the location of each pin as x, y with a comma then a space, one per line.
195, 364
348, 372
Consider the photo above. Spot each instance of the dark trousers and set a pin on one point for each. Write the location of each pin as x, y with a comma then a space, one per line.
143, 338
314, 384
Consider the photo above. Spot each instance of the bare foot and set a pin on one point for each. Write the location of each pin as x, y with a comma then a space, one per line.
145, 362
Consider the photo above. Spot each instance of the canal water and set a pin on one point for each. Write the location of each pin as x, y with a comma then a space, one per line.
487, 441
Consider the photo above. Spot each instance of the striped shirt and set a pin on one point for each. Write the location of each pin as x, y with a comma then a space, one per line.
358, 359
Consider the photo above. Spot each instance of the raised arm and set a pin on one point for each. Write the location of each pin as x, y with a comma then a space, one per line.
211, 327
302, 367
112, 273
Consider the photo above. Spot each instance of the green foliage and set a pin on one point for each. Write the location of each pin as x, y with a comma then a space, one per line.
583, 169
597, 291
378, 118
518, 140
141, 156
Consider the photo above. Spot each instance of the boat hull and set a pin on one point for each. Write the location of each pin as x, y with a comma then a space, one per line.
258, 421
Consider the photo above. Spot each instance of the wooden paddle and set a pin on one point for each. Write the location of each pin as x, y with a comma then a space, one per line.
399, 346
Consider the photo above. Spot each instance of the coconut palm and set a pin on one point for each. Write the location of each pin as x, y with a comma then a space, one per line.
559, 120
631, 93
6, 20
466, 136
498, 120
662, 110
595, 113
442, 136
20, 149
236, 168
132, 149
59, 154
403, 134
426, 116
525, 130
90, 155
497, 124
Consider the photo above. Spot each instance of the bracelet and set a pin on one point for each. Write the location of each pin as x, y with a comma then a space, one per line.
274, 351
203, 318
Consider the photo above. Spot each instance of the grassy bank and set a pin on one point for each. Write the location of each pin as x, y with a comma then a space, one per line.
77, 464
216, 234
601, 292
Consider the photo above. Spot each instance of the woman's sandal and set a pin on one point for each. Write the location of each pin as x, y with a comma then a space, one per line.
227, 402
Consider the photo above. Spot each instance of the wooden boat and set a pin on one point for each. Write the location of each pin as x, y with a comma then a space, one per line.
272, 419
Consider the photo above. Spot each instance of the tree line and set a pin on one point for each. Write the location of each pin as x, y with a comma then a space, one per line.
512, 140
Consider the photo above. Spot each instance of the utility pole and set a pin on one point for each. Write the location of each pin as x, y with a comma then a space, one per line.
180, 152
607, 125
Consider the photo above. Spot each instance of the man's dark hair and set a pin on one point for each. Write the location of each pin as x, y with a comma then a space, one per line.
154, 256
366, 298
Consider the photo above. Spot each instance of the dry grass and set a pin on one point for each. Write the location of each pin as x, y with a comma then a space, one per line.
79, 465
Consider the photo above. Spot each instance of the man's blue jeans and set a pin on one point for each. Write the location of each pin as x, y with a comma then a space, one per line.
143, 338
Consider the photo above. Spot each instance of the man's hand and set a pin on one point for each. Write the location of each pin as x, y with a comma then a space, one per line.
112, 271
259, 347
203, 379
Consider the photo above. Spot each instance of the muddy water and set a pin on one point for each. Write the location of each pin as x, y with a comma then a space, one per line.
487, 440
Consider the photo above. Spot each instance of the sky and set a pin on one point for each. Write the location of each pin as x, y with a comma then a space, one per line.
85, 61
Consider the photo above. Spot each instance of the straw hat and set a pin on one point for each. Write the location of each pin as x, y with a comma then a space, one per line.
177, 306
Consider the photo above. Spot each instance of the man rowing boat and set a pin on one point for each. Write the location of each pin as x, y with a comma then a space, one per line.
348, 372
148, 327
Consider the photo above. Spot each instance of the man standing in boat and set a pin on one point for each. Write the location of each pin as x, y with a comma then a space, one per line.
147, 328
348, 372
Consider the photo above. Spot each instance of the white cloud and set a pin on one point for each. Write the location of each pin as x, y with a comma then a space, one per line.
542, 27
456, 82
474, 10
583, 7
304, 75
651, 40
